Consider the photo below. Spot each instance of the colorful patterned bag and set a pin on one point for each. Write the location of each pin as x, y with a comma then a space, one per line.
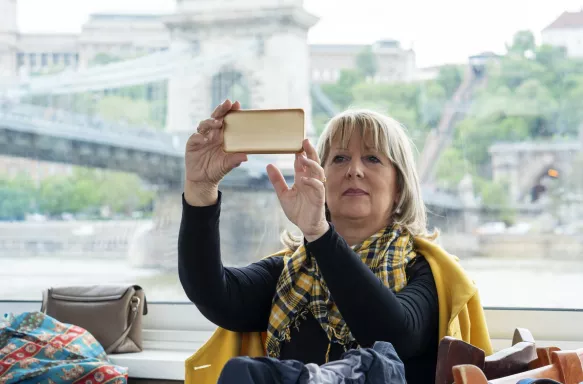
35, 348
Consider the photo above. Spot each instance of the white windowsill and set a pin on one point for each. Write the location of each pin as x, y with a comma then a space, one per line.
164, 354
153, 364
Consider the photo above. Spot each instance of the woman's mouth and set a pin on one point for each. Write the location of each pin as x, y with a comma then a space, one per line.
354, 192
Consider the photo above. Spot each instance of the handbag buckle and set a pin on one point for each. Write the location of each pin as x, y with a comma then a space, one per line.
135, 302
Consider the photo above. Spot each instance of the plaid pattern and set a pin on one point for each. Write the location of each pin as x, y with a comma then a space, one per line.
301, 287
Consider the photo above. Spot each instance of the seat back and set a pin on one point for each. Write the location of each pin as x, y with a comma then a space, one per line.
516, 359
566, 367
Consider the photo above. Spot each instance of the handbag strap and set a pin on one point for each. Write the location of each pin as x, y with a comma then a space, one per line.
45, 302
134, 305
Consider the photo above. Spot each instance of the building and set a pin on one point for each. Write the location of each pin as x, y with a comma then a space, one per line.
566, 31
393, 62
106, 37
121, 36
8, 39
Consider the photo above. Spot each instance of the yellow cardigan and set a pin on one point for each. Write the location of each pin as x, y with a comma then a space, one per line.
460, 315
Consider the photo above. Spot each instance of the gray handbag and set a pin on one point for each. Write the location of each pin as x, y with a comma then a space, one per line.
111, 313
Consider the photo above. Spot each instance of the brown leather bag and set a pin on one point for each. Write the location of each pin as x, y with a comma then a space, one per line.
111, 313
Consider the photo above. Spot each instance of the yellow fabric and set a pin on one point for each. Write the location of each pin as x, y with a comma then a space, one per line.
460, 315
460, 310
301, 287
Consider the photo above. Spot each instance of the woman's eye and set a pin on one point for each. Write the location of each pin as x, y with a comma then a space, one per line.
338, 159
373, 159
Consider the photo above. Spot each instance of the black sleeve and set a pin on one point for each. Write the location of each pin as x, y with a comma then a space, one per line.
408, 319
237, 299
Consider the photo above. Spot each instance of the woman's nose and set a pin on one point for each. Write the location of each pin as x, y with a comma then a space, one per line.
355, 170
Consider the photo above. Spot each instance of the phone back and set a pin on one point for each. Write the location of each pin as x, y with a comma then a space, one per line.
264, 131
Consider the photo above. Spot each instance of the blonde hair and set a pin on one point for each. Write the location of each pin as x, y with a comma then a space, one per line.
388, 137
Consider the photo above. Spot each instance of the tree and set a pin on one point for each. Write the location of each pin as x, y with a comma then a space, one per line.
124, 109
473, 137
16, 198
549, 55
87, 190
513, 71
124, 193
449, 78
366, 62
452, 167
431, 102
522, 42
57, 196
403, 94
341, 92
495, 194
320, 120
398, 100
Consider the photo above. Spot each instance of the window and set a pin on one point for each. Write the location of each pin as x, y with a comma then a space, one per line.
516, 227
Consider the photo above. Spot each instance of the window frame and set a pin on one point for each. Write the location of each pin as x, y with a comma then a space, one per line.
173, 331
166, 319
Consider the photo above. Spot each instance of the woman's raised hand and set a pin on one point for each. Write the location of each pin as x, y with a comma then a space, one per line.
304, 202
205, 161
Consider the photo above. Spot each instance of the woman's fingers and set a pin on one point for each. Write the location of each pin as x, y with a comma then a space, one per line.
222, 109
233, 160
195, 141
299, 166
310, 151
277, 180
208, 125
316, 184
209, 129
312, 168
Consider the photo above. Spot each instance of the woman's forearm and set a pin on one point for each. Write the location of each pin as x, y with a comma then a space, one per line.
238, 299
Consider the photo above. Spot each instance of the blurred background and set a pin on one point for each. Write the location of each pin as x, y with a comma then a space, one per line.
97, 100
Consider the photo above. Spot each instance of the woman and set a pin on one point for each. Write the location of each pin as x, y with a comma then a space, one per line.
352, 279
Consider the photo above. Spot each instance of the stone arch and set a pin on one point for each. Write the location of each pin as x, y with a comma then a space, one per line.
539, 187
232, 84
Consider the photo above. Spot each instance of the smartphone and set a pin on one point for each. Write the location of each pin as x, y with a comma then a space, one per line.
264, 131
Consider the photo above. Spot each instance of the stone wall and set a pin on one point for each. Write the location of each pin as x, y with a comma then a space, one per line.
532, 246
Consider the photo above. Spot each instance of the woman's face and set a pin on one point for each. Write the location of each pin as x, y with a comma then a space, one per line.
360, 182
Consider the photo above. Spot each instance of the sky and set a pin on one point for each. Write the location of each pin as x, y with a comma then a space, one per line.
443, 31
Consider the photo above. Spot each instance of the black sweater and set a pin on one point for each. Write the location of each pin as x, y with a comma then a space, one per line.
240, 299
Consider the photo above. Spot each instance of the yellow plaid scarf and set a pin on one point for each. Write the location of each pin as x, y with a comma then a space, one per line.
301, 287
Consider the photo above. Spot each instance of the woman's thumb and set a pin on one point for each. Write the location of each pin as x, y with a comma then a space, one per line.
235, 159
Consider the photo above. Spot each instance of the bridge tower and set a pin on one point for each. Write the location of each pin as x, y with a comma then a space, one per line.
8, 40
272, 67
